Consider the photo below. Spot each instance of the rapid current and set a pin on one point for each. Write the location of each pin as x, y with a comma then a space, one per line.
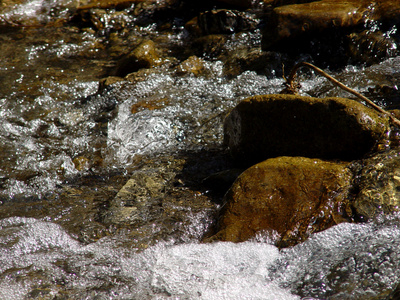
62, 150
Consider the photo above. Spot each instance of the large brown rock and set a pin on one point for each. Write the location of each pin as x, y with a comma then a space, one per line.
291, 196
291, 21
267, 126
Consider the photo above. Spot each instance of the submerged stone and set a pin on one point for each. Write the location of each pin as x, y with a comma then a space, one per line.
137, 201
379, 186
267, 126
293, 196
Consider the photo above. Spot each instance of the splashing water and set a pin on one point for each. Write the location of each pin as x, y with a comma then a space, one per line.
39, 257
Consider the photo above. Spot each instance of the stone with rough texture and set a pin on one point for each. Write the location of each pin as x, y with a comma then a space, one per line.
379, 186
267, 126
292, 196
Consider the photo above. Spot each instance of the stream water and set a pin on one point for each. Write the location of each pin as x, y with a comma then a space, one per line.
67, 149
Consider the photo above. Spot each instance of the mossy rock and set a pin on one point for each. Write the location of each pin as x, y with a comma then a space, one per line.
291, 197
262, 127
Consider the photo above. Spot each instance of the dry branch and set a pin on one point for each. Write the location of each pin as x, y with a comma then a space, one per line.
292, 87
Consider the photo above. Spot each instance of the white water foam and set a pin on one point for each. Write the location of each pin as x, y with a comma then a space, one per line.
347, 261
142, 133
189, 103
354, 261
39, 10
37, 254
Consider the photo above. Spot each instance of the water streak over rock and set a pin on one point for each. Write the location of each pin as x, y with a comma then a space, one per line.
379, 184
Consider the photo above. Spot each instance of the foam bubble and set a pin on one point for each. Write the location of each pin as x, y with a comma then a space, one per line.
37, 255
357, 259
217, 271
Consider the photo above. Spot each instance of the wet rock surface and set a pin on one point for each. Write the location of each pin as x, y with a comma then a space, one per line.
274, 125
315, 26
111, 38
379, 186
137, 200
290, 197
371, 47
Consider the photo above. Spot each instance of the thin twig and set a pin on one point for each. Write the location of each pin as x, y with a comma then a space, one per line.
292, 86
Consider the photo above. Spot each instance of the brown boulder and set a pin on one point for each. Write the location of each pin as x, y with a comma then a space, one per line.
291, 21
267, 126
293, 196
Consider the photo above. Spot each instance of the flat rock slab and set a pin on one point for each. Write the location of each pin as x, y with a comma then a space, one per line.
290, 196
262, 127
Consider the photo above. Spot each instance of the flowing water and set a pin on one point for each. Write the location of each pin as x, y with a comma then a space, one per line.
67, 148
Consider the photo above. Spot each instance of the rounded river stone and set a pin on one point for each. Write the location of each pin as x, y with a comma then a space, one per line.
291, 197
